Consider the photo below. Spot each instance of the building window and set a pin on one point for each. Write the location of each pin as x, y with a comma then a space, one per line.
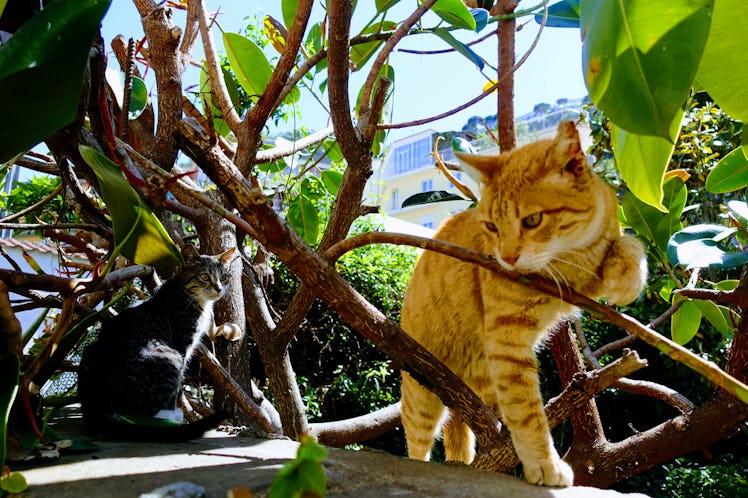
395, 200
458, 177
412, 156
427, 185
427, 221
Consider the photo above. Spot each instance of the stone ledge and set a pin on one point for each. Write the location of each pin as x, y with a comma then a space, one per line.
220, 462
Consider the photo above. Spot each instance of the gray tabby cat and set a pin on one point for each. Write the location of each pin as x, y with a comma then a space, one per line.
136, 367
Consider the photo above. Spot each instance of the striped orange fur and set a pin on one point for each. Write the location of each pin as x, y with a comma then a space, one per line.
542, 211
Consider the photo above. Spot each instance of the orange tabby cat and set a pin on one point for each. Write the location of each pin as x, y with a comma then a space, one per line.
542, 211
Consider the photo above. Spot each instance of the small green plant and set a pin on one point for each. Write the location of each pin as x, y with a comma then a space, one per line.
304, 476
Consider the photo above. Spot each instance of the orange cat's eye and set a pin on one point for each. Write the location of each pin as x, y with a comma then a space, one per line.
490, 226
532, 221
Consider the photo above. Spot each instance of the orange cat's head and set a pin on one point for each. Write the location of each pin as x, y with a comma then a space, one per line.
540, 202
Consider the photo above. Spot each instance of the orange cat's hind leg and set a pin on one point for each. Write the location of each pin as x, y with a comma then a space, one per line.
421, 412
459, 442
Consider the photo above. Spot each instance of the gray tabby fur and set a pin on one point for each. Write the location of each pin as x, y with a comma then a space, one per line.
137, 365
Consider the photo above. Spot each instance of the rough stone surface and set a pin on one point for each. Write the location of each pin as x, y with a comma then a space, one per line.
220, 462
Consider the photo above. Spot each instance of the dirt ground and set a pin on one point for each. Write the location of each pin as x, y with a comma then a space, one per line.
221, 462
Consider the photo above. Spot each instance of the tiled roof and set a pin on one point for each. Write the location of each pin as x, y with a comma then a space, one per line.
30, 246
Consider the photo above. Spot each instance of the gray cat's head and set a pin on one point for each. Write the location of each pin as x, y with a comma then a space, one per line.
205, 277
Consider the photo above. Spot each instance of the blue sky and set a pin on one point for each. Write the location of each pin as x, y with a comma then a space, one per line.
425, 85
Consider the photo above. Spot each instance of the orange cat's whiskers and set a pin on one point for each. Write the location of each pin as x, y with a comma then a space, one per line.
549, 214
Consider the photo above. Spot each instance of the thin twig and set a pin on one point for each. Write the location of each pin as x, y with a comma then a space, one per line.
473, 101
217, 82
401, 31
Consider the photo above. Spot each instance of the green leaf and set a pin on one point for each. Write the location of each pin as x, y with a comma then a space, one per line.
701, 246
643, 159
383, 5
138, 98
685, 323
41, 72
739, 209
481, 17
138, 234
362, 52
564, 14
303, 217
331, 180
14, 483
640, 57
304, 475
652, 224
460, 47
9, 373
717, 315
455, 13
722, 68
251, 67
730, 173
431, 197
288, 9
459, 144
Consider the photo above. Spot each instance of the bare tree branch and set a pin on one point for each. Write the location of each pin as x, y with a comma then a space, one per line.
217, 82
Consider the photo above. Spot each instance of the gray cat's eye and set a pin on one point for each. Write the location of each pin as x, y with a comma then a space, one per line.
532, 221
224, 278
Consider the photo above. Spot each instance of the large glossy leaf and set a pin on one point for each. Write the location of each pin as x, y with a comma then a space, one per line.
331, 180
563, 14
717, 315
362, 52
730, 173
138, 98
383, 5
288, 9
460, 47
652, 224
455, 13
643, 159
251, 67
685, 323
640, 57
704, 246
41, 72
304, 218
138, 234
722, 71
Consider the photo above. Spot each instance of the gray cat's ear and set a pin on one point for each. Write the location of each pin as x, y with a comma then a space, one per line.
480, 167
569, 150
190, 253
225, 257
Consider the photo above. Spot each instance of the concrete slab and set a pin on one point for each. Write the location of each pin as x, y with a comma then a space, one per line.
220, 462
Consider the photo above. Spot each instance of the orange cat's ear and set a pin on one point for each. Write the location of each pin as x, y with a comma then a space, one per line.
569, 149
225, 257
481, 164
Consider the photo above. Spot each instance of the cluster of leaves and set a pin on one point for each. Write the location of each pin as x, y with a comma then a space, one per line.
27, 193
304, 476
688, 478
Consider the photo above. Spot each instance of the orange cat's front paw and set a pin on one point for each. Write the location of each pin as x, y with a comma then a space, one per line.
553, 472
624, 271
